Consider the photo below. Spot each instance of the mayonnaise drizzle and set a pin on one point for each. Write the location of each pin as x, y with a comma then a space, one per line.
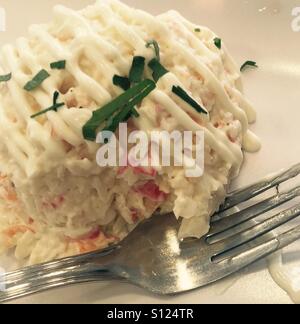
108, 34
284, 278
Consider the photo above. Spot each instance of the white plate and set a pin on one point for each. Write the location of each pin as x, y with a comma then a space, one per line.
256, 29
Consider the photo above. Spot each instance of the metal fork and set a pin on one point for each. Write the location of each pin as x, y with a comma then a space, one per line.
152, 257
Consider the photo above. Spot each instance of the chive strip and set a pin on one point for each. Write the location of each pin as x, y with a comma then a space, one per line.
5, 78
189, 100
37, 80
54, 107
113, 123
135, 113
197, 30
59, 65
122, 82
109, 121
218, 42
132, 96
137, 69
121, 116
248, 64
156, 48
55, 97
158, 70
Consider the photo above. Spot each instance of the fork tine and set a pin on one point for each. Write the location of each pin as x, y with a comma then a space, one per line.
242, 260
247, 193
262, 250
288, 237
251, 212
256, 231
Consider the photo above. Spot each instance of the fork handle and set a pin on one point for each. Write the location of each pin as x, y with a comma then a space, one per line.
75, 270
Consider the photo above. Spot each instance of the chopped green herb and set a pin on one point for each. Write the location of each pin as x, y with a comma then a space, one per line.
218, 42
137, 69
54, 100
37, 80
121, 116
156, 48
54, 107
158, 70
131, 97
135, 113
109, 121
122, 82
59, 65
197, 30
5, 78
185, 97
248, 64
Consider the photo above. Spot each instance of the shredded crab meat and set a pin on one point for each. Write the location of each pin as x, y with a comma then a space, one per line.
151, 191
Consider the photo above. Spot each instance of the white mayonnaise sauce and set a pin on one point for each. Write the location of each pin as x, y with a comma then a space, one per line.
286, 279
